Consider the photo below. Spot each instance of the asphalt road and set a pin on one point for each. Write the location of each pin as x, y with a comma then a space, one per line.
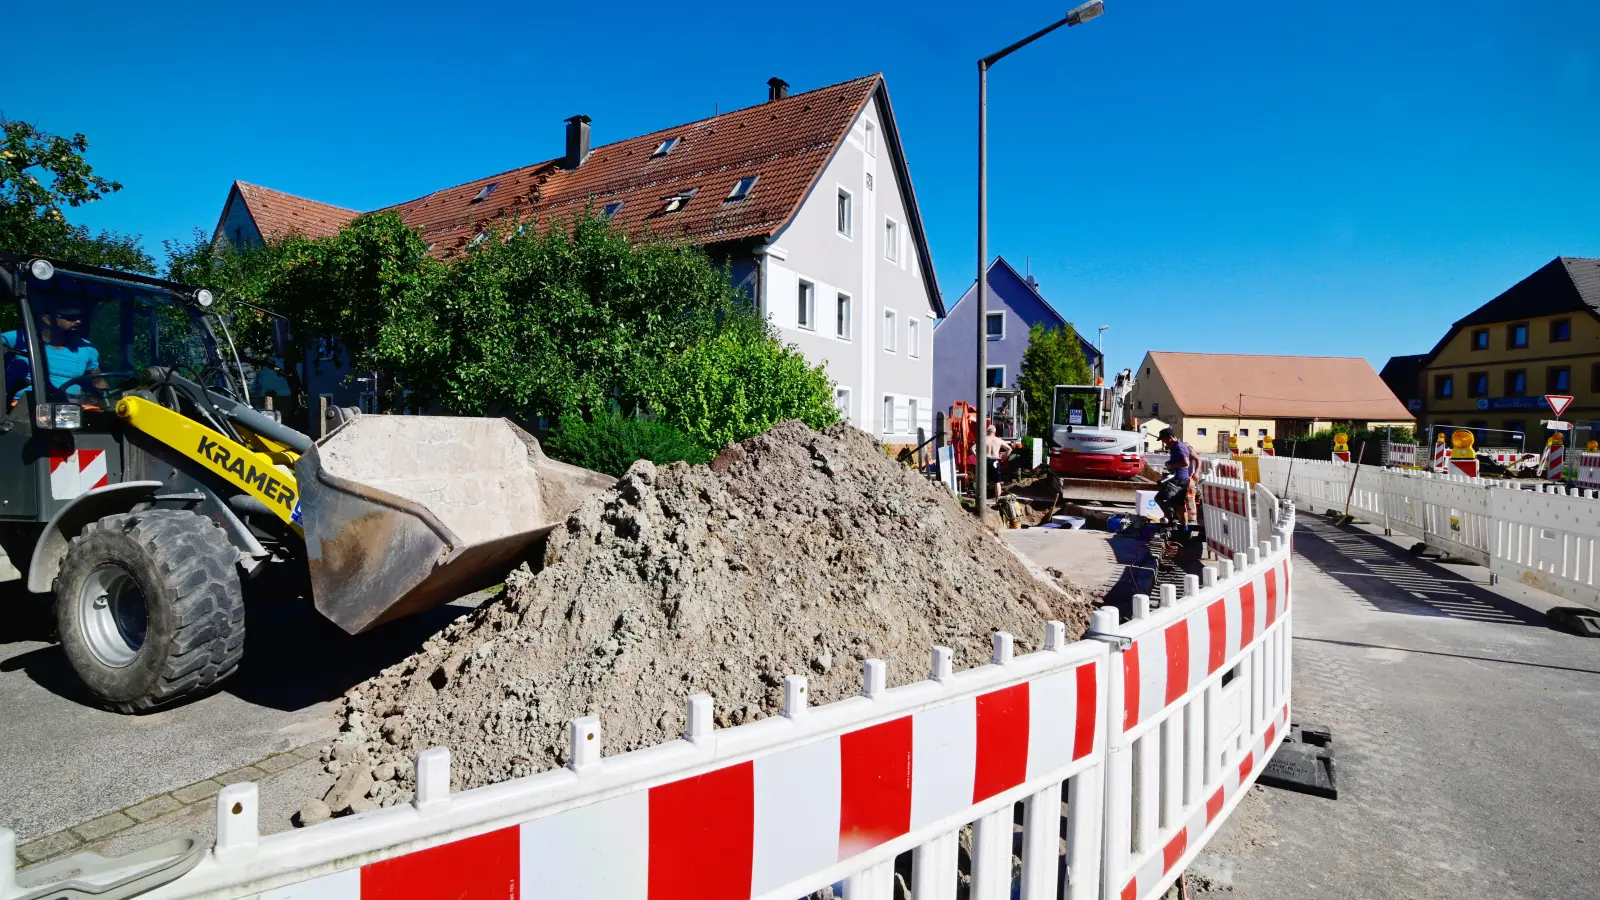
64, 761
1467, 736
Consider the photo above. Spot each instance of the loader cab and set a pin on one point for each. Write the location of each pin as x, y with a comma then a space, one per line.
74, 340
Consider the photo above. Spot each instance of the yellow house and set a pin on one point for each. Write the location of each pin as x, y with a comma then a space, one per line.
1209, 398
1492, 369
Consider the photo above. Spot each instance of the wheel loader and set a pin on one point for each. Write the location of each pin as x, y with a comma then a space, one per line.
139, 486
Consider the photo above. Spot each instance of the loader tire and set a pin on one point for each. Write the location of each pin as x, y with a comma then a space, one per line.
149, 608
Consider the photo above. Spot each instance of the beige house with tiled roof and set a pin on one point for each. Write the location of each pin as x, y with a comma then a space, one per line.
1209, 397
807, 197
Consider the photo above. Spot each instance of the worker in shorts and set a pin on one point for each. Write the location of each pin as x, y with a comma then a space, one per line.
996, 449
1173, 493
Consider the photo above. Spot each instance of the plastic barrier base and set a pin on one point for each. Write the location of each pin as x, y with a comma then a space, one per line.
1303, 762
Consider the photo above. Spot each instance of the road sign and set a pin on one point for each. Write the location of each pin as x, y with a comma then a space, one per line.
1558, 402
1557, 425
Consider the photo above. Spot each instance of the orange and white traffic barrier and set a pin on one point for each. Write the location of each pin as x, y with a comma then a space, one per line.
1555, 457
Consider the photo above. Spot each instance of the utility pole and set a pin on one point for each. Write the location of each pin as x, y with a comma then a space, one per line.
980, 475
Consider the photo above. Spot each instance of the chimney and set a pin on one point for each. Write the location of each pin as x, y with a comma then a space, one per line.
1033, 282
777, 89
577, 142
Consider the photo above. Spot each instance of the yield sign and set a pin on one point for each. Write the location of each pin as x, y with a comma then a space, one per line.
1558, 402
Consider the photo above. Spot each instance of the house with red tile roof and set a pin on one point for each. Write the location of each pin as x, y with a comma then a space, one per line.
807, 197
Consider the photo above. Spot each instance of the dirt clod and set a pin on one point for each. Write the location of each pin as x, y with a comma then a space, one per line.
794, 552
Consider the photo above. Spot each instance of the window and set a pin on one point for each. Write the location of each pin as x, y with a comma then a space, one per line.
1516, 428
996, 376
1560, 330
1594, 377
1477, 384
871, 139
741, 188
913, 339
911, 416
805, 314
1557, 379
994, 325
891, 240
1516, 382
1478, 427
1201, 432
841, 400
844, 212
612, 209
1517, 336
679, 200
483, 194
842, 318
888, 414
1480, 339
1261, 432
1155, 409
888, 330
479, 238
665, 147
1444, 387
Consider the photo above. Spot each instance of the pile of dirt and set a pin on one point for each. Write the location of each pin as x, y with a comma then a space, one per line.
794, 552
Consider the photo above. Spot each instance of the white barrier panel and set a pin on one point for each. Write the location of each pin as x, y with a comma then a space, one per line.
1225, 512
1200, 697
1545, 538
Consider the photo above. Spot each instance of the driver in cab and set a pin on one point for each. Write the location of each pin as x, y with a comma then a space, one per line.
69, 357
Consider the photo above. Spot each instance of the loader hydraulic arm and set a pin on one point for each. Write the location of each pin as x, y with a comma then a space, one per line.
252, 472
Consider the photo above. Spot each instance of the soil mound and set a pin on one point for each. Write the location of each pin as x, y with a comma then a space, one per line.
793, 552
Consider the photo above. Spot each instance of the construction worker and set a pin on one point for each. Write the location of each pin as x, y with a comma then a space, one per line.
996, 450
1173, 493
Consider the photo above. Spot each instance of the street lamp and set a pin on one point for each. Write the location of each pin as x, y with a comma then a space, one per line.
1100, 347
1077, 16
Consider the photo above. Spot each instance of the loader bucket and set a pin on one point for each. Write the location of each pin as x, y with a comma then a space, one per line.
404, 513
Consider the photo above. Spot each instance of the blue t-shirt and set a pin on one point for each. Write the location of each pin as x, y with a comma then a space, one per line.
1180, 458
63, 363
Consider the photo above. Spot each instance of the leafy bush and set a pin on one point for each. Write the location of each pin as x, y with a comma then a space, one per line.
738, 383
613, 442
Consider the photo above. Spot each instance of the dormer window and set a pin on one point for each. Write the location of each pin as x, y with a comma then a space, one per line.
665, 147
481, 237
741, 188
612, 209
484, 193
679, 200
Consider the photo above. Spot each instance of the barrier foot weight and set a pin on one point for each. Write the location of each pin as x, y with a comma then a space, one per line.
1303, 762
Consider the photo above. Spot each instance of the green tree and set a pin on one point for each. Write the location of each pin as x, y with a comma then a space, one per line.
738, 383
1054, 356
40, 173
555, 319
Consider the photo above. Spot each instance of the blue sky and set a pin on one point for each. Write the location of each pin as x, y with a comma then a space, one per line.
1258, 176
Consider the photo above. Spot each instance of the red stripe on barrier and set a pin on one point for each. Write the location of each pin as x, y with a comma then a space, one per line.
1088, 717
485, 867
59, 458
874, 786
1130, 686
1246, 766
1247, 614
1272, 595
1173, 852
1131, 890
1177, 638
1272, 731
1002, 761
1217, 632
1214, 805
710, 816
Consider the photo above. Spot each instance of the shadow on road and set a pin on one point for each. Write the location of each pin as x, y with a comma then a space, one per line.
1396, 582
294, 658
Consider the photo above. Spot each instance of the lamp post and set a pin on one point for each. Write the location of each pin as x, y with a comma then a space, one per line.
1100, 347
1077, 16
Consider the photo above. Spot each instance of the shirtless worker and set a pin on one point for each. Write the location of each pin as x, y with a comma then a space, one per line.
995, 449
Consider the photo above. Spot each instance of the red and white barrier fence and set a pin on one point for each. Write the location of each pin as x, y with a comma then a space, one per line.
1150, 730
1201, 698
1402, 455
1226, 513
1588, 470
